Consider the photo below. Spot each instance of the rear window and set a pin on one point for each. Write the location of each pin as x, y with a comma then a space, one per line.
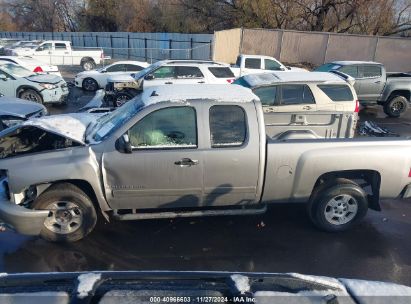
371, 71
184, 72
222, 72
253, 63
294, 94
337, 92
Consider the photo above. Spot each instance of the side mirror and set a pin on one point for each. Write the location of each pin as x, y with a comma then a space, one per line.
3, 77
123, 144
149, 77
103, 71
288, 68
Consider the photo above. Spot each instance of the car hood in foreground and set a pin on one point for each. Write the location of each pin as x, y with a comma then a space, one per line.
72, 126
45, 78
194, 287
16, 107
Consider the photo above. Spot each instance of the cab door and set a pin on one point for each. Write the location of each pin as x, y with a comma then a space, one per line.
44, 52
165, 167
163, 75
61, 54
371, 82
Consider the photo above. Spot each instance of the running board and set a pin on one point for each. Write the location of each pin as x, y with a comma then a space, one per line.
199, 213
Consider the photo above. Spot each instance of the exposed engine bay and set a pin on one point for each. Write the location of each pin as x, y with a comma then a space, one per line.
30, 139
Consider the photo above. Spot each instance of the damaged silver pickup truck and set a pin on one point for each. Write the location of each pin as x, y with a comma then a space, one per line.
186, 151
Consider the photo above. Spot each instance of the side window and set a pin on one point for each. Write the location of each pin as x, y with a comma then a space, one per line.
44, 47
187, 72
164, 72
133, 68
174, 127
60, 46
371, 71
252, 63
116, 68
337, 92
228, 126
267, 95
351, 70
293, 94
224, 72
272, 65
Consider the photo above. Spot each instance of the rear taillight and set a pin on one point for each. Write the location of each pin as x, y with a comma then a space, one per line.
38, 69
230, 80
409, 173
357, 106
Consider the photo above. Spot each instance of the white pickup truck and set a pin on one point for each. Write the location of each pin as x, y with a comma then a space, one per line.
58, 52
252, 64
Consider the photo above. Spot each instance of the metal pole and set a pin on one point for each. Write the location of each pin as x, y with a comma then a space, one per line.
145, 49
170, 43
128, 46
191, 48
111, 45
97, 40
375, 49
84, 40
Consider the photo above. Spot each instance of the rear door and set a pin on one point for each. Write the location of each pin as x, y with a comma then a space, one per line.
371, 82
61, 54
231, 161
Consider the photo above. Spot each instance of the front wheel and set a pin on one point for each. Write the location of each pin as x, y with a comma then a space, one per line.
121, 98
337, 205
396, 106
72, 214
90, 84
31, 95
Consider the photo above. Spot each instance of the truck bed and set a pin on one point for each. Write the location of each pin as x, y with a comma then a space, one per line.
294, 166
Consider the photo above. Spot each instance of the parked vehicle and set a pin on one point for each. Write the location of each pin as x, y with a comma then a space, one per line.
184, 151
15, 110
20, 45
16, 81
324, 105
62, 53
375, 86
32, 64
97, 79
5, 42
252, 64
122, 88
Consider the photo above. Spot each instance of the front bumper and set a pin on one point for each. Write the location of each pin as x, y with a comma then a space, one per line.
22, 220
55, 95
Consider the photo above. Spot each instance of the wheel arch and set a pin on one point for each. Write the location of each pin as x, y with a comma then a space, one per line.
364, 178
24, 87
85, 59
404, 93
83, 185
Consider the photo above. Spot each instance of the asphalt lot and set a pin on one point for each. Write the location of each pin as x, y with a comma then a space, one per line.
282, 240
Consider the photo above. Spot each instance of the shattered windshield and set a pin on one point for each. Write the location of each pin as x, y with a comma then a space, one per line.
107, 124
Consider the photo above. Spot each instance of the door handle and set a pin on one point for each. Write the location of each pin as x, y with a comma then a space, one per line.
379, 81
186, 162
307, 108
201, 82
168, 82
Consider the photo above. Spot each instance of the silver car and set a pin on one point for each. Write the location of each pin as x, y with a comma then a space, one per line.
16, 81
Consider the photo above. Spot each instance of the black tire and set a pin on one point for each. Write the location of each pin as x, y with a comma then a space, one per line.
337, 190
88, 64
66, 195
90, 84
396, 106
32, 95
121, 98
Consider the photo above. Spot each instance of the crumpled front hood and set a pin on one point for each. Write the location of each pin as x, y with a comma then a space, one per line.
71, 126
45, 78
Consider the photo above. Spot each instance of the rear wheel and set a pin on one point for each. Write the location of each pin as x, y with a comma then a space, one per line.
396, 106
337, 205
31, 95
72, 214
90, 84
88, 65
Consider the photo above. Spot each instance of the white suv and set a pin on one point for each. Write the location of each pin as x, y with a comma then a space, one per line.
185, 72
121, 88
